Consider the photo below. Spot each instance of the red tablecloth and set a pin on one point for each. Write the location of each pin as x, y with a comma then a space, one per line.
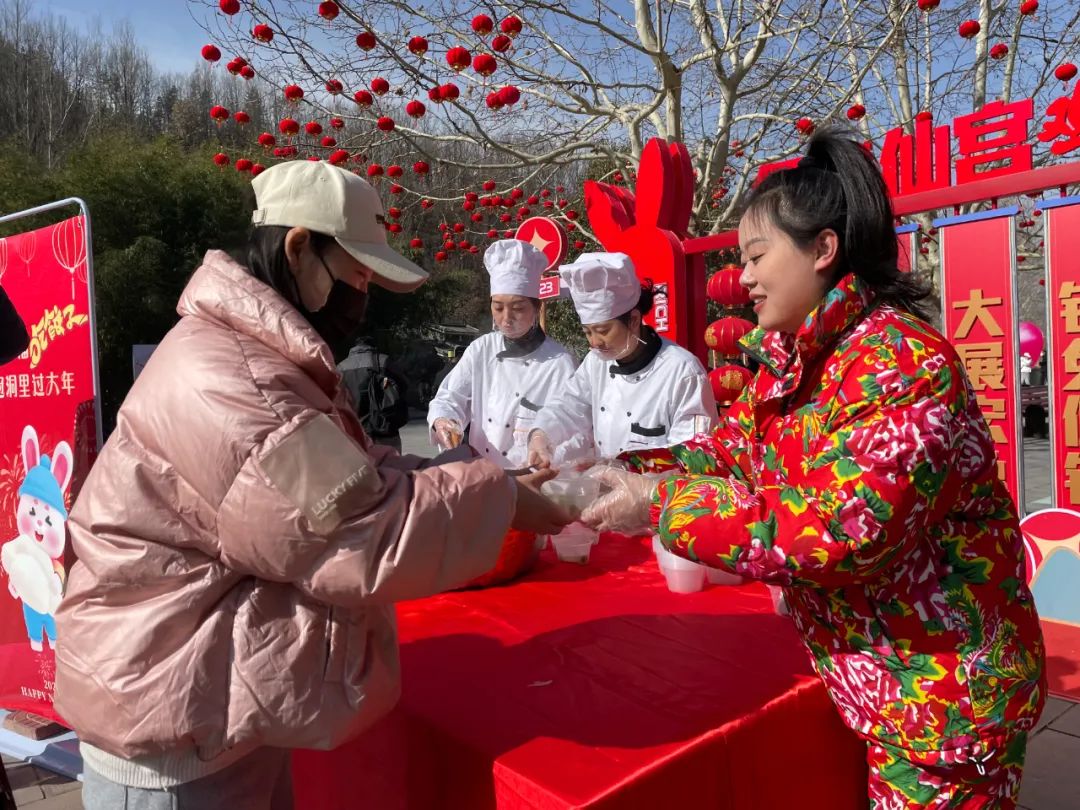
594, 686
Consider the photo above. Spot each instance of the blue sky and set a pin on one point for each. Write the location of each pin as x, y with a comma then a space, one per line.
164, 27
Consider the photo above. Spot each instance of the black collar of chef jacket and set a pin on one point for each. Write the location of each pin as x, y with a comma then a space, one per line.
524, 345
648, 354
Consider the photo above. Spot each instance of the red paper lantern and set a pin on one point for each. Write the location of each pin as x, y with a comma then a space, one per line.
477, 217
463, 244
385, 123
489, 185
969, 28
418, 46
379, 86
293, 93
426, 204
723, 335
533, 200
416, 243
415, 108
242, 117
374, 170
493, 101
440, 256
363, 98
221, 159
458, 58
421, 167
266, 140
257, 169
924, 115
394, 227
505, 217
248, 72
728, 382
501, 44
548, 204
449, 92
289, 126
563, 203
523, 212
449, 244
509, 233
724, 287
578, 244
509, 95
484, 64
459, 228
262, 32
1065, 71
468, 205
472, 196
338, 156
366, 40
999, 51
483, 25
334, 86
928, 5
516, 194
511, 26
1029, 7
856, 112
396, 189
229, 7
337, 123
804, 125
434, 95
394, 170
244, 165
545, 193
328, 10
329, 141
492, 233
313, 128
211, 53
571, 215
219, 114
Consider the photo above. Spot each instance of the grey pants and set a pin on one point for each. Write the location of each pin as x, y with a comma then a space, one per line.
259, 781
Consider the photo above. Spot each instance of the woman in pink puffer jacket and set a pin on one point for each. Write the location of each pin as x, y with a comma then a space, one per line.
241, 542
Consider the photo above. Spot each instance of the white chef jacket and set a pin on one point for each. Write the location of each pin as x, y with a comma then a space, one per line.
501, 396
667, 402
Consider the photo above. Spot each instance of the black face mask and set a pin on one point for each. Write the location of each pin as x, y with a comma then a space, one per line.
339, 320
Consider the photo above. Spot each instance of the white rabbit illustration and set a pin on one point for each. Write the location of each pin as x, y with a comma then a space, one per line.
34, 559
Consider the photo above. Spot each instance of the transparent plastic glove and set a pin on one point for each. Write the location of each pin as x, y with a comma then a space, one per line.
625, 509
447, 432
532, 511
540, 450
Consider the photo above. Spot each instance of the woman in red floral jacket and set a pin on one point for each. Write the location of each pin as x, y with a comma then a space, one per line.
858, 472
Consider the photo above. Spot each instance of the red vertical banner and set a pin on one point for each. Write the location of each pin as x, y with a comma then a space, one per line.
978, 274
48, 439
1062, 237
906, 253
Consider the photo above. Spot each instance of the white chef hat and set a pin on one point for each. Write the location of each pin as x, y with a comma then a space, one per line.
603, 286
515, 268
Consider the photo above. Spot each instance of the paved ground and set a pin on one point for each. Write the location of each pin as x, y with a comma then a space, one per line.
1051, 777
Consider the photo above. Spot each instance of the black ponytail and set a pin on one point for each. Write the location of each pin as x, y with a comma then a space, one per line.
838, 186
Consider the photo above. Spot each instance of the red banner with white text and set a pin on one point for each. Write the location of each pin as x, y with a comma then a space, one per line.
48, 439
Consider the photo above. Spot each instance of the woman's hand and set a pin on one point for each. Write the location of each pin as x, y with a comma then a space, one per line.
625, 509
533, 512
540, 450
447, 432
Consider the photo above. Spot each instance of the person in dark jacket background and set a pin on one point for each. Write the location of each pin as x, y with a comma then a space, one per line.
13, 336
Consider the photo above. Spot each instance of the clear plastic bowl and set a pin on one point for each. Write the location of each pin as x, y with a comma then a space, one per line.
572, 492
573, 548
685, 580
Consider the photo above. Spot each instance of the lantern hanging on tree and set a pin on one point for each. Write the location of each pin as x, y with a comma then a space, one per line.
329, 141
805, 126
337, 123
329, 10
211, 53
418, 46
380, 86
501, 43
363, 98
509, 95
415, 109
449, 92
293, 93
724, 288
313, 128
1065, 71
366, 40
483, 25
257, 169
511, 26
393, 170
262, 32
267, 141
334, 86
289, 127
219, 114
416, 243
723, 335
856, 112
928, 5
241, 117
229, 7
458, 58
969, 29
244, 165
1029, 7
484, 64
248, 72
999, 51
221, 159
421, 167
385, 123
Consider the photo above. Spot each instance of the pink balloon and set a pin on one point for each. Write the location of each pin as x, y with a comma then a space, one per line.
1031, 341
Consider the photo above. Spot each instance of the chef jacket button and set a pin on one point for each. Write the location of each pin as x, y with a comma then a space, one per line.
526, 362
603, 408
504, 452
628, 413
507, 424
489, 418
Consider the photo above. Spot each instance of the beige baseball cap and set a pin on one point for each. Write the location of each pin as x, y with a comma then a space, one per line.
333, 201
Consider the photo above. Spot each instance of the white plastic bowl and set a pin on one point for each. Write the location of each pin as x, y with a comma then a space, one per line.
673, 562
685, 580
574, 543
717, 576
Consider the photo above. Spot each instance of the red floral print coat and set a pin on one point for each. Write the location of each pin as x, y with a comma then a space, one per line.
857, 471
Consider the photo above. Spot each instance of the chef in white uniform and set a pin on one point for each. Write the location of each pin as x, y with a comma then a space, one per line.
504, 378
635, 390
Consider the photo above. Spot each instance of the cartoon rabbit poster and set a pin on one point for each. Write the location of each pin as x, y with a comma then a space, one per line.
48, 439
